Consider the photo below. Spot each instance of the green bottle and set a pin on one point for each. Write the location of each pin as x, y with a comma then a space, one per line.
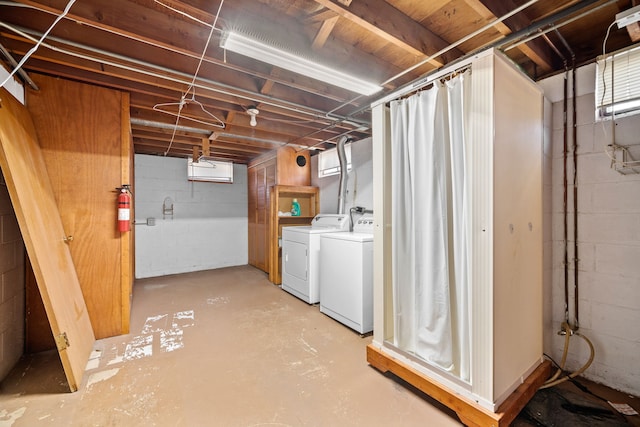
295, 208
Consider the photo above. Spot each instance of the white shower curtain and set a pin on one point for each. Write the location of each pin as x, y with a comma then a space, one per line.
430, 225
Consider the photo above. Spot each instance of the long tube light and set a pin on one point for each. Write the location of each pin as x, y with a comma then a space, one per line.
260, 51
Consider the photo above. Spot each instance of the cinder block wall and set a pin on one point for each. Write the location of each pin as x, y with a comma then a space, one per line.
12, 290
209, 227
608, 243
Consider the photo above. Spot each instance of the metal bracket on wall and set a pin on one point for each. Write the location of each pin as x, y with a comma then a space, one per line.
167, 208
625, 159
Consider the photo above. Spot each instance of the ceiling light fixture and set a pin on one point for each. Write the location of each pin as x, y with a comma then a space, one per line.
253, 112
264, 52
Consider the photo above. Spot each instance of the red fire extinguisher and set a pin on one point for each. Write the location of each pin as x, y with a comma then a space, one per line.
124, 209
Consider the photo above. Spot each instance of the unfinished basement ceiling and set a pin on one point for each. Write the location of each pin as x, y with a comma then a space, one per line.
152, 49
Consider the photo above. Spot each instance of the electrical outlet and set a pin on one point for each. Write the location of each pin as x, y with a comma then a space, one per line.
628, 17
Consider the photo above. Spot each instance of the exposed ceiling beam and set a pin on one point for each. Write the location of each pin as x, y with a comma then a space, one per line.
396, 27
105, 15
324, 32
536, 49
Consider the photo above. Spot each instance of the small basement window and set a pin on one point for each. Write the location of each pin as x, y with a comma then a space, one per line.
329, 164
618, 84
209, 170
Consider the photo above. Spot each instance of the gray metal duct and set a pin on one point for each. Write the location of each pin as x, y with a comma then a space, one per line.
342, 187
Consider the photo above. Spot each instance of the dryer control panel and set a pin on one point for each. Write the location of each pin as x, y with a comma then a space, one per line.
364, 224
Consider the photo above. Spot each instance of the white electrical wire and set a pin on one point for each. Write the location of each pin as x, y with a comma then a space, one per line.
185, 14
604, 68
613, 145
37, 45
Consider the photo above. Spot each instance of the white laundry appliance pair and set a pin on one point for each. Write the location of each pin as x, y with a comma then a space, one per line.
346, 276
301, 255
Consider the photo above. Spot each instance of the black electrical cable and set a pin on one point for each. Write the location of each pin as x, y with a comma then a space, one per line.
575, 382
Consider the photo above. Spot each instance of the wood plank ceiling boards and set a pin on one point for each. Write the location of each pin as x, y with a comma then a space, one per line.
151, 49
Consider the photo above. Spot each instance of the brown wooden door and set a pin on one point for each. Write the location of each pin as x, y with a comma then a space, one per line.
44, 237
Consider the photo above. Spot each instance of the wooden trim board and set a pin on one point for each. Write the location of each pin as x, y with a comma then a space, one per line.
469, 412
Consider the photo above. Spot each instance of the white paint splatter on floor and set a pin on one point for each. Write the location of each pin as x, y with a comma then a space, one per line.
183, 319
307, 347
171, 340
167, 336
139, 347
218, 301
101, 376
94, 360
117, 359
7, 419
155, 324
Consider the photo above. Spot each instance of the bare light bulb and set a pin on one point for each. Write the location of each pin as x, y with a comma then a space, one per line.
253, 112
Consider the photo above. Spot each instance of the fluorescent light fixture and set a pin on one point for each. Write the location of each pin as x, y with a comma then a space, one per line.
255, 49
628, 17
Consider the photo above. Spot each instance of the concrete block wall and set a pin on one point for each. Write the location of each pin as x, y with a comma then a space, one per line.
208, 229
608, 242
12, 287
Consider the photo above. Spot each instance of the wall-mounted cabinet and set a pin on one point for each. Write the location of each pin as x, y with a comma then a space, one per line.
282, 167
282, 197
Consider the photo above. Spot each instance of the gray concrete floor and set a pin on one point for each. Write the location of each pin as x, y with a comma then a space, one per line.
222, 348
218, 348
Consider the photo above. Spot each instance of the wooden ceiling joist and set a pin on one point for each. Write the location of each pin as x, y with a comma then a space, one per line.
397, 28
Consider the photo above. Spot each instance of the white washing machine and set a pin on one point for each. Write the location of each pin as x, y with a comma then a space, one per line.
301, 255
346, 276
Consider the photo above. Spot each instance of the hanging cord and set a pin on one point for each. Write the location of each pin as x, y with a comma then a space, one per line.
37, 45
611, 154
193, 81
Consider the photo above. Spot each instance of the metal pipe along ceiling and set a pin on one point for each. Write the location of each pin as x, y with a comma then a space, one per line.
183, 78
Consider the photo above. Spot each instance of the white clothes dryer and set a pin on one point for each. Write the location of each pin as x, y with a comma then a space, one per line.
346, 276
301, 255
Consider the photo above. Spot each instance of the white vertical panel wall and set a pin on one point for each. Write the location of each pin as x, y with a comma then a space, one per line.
208, 229
480, 140
518, 228
382, 316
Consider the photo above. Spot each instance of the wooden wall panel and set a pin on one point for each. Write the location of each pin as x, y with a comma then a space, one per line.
32, 196
277, 168
289, 172
80, 129
127, 240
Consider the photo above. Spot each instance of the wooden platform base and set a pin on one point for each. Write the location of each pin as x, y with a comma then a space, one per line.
469, 412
